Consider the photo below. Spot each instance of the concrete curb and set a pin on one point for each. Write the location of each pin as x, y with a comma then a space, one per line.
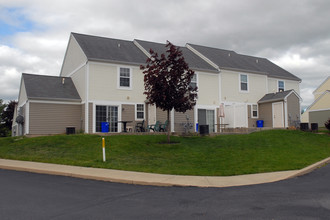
141, 178
312, 167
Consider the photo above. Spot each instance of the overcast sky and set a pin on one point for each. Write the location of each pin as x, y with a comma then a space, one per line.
293, 34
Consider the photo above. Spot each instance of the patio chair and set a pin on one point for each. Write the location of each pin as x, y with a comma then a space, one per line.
139, 127
154, 127
163, 127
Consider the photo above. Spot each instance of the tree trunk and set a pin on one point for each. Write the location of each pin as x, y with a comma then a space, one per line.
168, 127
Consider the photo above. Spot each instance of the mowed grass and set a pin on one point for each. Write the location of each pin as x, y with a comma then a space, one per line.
222, 155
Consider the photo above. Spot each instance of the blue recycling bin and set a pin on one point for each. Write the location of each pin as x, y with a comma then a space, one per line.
260, 123
105, 127
197, 127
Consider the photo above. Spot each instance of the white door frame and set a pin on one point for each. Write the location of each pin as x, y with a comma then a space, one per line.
282, 113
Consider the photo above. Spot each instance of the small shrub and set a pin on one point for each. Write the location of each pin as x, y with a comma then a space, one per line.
327, 124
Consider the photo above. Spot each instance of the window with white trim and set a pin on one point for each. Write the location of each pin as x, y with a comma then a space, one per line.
124, 77
193, 82
140, 111
254, 111
244, 83
281, 86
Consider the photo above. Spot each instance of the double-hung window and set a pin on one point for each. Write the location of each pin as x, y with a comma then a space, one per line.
280, 86
124, 77
193, 82
244, 87
140, 111
254, 110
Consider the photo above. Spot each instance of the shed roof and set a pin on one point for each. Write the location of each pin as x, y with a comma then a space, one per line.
271, 97
108, 49
50, 87
193, 60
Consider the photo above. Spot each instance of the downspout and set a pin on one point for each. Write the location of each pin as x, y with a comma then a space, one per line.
27, 118
285, 113
86, 98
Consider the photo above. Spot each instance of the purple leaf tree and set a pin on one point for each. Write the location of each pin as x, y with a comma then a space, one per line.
167, 82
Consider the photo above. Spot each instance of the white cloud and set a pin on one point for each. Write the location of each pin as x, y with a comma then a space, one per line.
293, 34
294, 60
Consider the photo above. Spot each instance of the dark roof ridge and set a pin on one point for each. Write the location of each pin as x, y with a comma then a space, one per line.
198, 45
102, 37
164, 44
31, 74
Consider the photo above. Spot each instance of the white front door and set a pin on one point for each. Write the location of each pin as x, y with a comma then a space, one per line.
278, 119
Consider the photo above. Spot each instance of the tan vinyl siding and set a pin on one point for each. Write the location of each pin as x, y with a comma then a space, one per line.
74, 57
230, 87
104, 83
208, 89
293, 109
83, 117
22, 94
319, 117
161, 115
48, 118
79, 80
22, 128
266, 114
180, 118
292, 85
128, 114
322, 103
90, 118
322, 88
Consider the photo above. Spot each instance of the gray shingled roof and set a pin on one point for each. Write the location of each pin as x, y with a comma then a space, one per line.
271, 97
50, 88
194, 61
108, 49
227, 59
121, 51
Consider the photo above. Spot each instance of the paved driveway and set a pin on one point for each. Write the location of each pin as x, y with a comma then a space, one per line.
37, 196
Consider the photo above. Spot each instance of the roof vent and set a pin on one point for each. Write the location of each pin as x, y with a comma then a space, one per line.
63, 80
257, 61
229, 54
118, 45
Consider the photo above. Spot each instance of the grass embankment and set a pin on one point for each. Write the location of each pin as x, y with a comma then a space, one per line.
223, 155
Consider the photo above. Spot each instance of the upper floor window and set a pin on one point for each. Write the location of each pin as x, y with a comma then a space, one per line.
280, 86
140, 111
193, 82
124, 77
244, 82
254, 110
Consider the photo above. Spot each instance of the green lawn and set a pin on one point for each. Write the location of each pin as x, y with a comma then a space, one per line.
222, 155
